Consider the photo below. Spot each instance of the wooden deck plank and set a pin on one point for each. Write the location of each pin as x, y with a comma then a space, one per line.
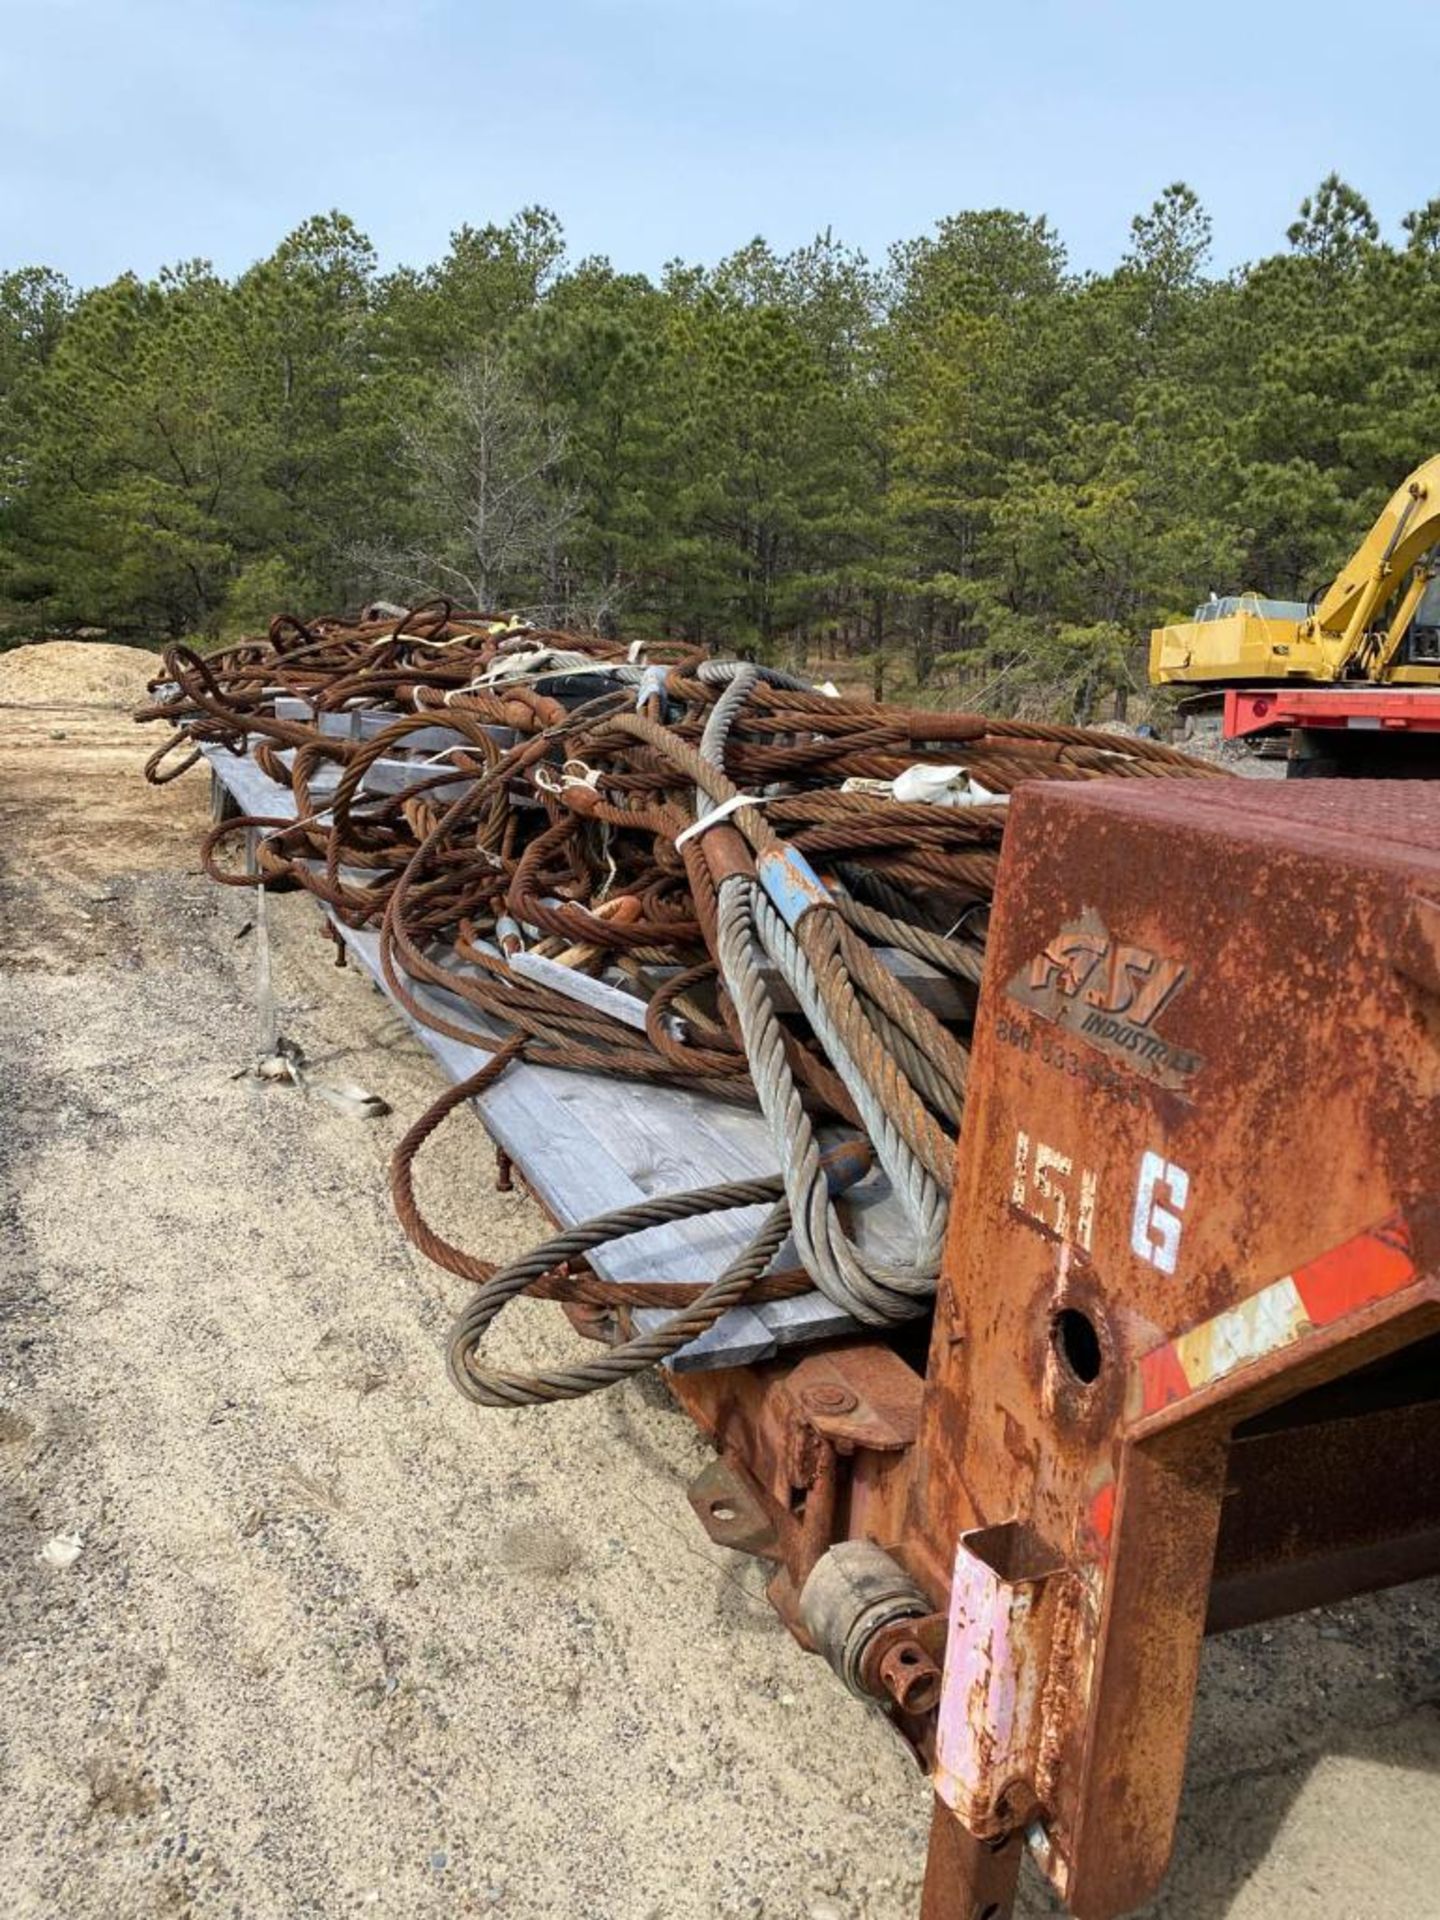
394, 776
584, 988
364, 723
254, 792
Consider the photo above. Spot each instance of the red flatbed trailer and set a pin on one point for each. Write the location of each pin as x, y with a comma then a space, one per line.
1347, 728
1251, 710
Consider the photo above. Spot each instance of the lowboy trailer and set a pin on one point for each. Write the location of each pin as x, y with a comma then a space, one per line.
1183, 1368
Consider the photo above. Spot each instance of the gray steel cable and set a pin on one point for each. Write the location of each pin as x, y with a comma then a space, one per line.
872, 1290
747, 922
491, 1386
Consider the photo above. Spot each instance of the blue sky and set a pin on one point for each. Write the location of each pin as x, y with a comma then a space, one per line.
138, 132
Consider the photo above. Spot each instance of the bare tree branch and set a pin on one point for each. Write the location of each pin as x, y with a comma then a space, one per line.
488, 467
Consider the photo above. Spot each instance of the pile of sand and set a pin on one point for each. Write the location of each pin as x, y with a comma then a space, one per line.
89, 673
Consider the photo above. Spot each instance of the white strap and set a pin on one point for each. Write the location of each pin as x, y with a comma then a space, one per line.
574, 773
717, 814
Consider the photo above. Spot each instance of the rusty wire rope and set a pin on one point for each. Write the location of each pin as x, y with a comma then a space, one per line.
720, 840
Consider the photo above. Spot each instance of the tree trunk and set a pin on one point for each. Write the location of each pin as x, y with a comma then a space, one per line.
924, 646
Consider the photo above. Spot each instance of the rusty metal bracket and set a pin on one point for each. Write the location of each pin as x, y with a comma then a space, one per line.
858, 1397
731, 1510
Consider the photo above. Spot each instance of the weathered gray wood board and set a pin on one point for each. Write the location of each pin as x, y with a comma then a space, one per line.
588, 1143
364, 723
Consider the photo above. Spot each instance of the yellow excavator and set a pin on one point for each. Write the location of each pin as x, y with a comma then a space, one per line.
1361, 660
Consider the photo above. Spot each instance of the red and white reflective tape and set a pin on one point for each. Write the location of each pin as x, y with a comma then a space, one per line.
1351, 1276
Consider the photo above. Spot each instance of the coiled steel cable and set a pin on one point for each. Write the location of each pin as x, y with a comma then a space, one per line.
575, 838
491, 1386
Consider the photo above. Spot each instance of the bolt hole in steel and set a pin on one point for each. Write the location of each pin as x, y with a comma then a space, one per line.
1078, 1344
722, 1510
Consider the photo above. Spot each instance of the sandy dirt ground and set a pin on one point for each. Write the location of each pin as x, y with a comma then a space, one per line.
334, 1642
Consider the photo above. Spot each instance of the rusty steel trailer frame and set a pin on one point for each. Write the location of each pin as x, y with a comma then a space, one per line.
1183, 1370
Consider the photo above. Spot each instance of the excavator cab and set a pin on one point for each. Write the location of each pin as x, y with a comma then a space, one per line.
1421, 646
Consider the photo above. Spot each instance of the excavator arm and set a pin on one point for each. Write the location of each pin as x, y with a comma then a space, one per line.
1397, 553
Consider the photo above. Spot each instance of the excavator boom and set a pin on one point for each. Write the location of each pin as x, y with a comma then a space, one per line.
1402, 538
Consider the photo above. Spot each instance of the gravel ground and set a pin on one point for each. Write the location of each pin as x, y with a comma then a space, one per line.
334, 1641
